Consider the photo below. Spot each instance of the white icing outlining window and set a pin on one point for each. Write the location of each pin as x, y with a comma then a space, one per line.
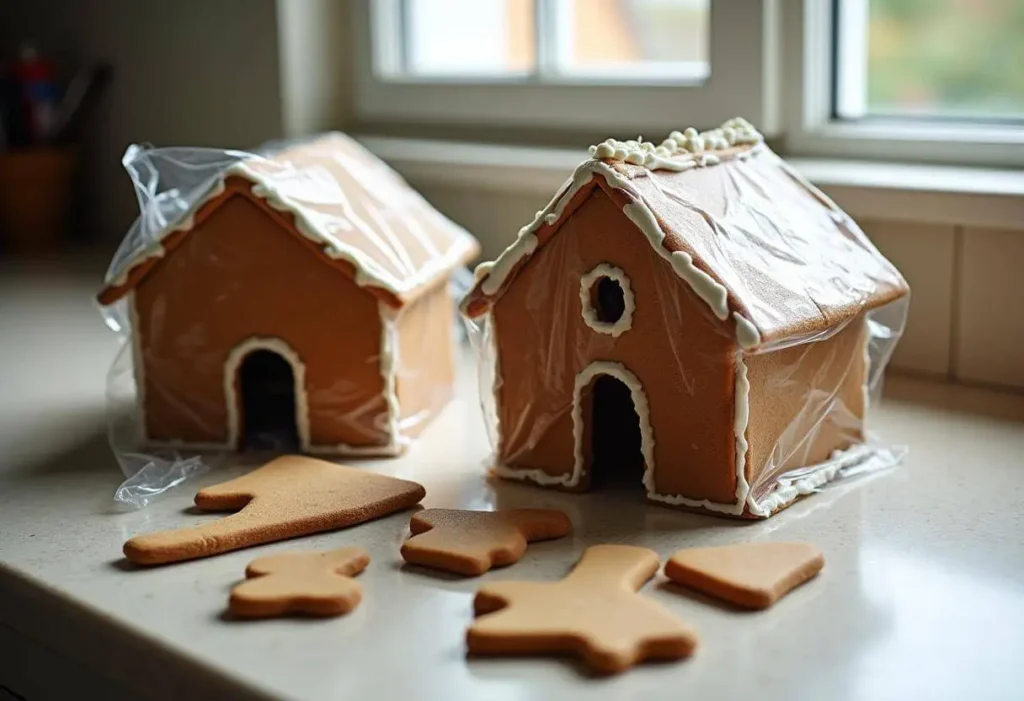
607, 300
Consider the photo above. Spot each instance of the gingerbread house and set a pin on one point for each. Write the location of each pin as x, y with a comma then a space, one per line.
305, 293
693, 315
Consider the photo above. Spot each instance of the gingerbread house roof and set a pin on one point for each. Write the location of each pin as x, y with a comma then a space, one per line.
769, 254
357, 213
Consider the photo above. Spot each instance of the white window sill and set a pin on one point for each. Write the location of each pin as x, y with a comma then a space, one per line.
892, 191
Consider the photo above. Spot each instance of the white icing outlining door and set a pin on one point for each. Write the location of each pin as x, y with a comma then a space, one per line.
617, 428
264, 388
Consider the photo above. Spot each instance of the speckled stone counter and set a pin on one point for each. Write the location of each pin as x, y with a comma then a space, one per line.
922, 595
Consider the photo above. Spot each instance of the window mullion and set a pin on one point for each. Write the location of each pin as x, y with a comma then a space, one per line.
545, 39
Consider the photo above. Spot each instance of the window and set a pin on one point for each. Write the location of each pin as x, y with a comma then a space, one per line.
554, 40
622, 65
607, 300
931, 59
918, 80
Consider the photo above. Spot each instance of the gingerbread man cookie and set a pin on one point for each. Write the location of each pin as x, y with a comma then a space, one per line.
316, 584
751, 575
472, 542
595, 613
288, 497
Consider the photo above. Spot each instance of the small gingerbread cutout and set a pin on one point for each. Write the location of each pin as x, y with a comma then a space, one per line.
472, 542
751, 575
315, 584
596, 613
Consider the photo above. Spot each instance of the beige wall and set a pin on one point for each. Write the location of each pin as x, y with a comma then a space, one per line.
187, 72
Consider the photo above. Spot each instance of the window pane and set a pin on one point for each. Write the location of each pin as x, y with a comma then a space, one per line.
662, 38
943, 58
469, 37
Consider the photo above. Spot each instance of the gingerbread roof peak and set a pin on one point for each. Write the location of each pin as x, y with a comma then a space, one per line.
769, 254
358, 212
681, 150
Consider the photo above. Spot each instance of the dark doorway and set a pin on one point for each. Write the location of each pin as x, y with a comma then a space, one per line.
268, 403
617, 461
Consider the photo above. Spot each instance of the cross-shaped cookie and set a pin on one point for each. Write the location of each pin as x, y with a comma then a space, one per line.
595, 613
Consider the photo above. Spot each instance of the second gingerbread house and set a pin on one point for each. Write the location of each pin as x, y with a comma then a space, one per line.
304, 293
694, 315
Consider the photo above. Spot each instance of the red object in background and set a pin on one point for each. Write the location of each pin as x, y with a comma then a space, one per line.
34, 76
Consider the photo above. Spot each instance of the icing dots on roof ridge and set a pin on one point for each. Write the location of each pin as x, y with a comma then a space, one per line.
681, 150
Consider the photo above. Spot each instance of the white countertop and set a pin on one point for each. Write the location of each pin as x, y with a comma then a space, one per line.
922, 595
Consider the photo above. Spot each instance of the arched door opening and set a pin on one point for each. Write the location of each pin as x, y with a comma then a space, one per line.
267, 403
617, 461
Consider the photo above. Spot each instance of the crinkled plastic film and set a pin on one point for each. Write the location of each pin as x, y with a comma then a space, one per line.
793, 396
367, 389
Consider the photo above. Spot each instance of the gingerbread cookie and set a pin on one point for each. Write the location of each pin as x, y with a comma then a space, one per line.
751, 575
472, 542
316, 584
288, 497
594, 613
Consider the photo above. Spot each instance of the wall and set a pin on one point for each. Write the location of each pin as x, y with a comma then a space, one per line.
315, 56
187, 72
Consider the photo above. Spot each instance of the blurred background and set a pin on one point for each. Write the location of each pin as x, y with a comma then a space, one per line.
486, 105
81, 80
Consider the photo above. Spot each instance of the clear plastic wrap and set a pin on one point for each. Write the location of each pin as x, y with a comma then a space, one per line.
294, 299
714, 330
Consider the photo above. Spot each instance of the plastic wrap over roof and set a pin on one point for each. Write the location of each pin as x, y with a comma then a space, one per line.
361, 216
769, 253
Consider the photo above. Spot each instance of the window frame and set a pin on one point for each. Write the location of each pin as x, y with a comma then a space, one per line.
741, 35
812, 129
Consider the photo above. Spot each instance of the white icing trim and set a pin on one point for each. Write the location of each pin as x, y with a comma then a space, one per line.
705, 286
740, 421
389, 372
747, 334
741, 417
785, 492
689, 144
497, 271
389, 361
231, 366
538, 476
623, 323
368, 272
157, 250
640, 405
524, 246
482, 270
496, 379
